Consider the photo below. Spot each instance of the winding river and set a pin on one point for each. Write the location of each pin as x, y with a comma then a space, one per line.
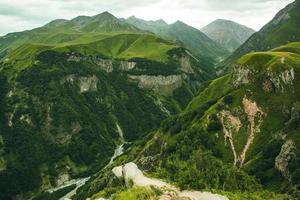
81, 181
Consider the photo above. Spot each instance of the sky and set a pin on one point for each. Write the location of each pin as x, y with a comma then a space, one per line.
19, 15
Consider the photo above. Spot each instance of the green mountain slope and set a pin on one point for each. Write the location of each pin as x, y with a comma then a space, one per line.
282, 29
193, 39
78, 29
227, 33
238, 137
73, 91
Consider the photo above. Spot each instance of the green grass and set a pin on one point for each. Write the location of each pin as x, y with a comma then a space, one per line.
216, 89
112, 46
137, 193
254, 195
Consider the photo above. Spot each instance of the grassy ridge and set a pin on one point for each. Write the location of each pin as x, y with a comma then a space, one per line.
115, 46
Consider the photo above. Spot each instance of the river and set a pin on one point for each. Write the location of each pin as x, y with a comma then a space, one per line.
81, 181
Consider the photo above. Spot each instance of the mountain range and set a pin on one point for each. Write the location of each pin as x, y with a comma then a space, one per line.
105, 108
190, 37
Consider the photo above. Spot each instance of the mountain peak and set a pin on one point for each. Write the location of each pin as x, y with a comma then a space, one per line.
223, 21
227, 33
105, 16
132, 17
178, 22
161, 21
56, 22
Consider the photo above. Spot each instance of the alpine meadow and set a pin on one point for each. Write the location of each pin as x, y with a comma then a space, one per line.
150, 100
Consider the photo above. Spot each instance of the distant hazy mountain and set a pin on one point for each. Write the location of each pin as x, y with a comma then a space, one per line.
228, 33
192, 38
282, 29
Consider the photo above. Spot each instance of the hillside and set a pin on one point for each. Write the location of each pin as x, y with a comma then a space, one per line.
75, 30
282, 29
193, 39
227, 33
72, 93
243, 125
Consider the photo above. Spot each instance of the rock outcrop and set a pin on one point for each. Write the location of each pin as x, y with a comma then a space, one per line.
88, 83
162, 84
85, 83
241, 75
286, 154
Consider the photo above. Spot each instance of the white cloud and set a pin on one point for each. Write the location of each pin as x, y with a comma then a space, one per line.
18, 15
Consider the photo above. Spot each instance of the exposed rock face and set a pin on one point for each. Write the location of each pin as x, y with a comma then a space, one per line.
76, 128
69, 78
118, 171
286, 154
26, 118
268, 86
74, 58
282, 79
294, 113
106, 65
273, 80
186, 65
231, 125
85, 84
255, 118
162, 84
62, 178
127, 66
241, 75
88, 83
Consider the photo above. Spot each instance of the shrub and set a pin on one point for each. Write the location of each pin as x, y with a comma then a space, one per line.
228, 99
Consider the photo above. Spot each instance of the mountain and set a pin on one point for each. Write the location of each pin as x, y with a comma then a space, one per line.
238, 137
62, 31
74, 92
282, 29
227, 33
155, 26
193, 39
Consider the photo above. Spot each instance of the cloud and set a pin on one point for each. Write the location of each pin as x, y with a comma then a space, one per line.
16, 15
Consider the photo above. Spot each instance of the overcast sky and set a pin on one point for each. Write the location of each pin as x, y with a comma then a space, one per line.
18, 15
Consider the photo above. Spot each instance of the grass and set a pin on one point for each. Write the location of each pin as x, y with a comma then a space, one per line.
286, 56
137, 193
114, 46
254, 195
216, 89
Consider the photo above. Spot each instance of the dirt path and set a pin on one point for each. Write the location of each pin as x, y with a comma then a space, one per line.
131, 172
